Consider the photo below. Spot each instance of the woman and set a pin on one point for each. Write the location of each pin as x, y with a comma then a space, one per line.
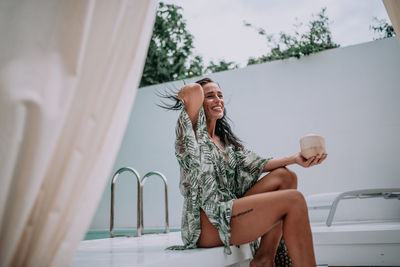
224, 202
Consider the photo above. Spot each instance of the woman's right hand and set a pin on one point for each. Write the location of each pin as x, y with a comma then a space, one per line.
315, 160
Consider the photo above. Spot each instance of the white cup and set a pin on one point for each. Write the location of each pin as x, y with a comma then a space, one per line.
312, 145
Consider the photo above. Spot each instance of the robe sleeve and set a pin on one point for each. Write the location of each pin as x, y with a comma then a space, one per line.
187, 149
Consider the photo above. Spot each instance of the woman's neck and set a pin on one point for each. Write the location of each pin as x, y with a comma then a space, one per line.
211, 124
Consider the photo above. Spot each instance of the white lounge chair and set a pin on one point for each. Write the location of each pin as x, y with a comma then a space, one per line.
355, 242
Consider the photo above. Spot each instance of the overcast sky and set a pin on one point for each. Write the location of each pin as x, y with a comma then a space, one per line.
219, 32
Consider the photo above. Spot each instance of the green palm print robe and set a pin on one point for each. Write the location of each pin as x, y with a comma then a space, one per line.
211, 179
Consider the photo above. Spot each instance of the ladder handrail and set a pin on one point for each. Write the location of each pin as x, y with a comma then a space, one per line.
139, 199
145, 177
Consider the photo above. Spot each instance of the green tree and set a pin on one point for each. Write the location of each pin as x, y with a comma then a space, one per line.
382, 28
196, 67
170, 53
317, 38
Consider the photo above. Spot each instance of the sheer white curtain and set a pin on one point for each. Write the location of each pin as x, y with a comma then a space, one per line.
69, 70
393, 10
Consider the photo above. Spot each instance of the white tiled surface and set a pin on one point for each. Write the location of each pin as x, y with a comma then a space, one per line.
351, 244
149, 250
357, 243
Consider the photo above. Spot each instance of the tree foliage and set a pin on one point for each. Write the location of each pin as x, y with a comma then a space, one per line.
382, 28
221, 66
169, 55
317, 38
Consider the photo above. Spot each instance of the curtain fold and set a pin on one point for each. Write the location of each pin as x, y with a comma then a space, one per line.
69, 71
393, 10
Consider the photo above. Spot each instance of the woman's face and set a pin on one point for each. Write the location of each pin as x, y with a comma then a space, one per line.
213, 104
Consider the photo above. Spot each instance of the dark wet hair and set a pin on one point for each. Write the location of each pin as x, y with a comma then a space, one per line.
222, 128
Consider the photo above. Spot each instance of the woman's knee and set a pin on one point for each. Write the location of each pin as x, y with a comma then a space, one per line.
298, 201
288, 178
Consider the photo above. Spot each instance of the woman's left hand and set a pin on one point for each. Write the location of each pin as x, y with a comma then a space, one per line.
300, 160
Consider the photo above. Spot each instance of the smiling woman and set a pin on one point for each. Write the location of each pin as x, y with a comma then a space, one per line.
214, 109
225, 203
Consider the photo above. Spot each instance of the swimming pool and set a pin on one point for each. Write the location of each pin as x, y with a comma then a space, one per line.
101, 234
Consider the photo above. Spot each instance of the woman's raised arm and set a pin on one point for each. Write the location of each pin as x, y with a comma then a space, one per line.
193, 96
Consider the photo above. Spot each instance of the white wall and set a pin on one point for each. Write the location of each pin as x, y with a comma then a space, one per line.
349, 95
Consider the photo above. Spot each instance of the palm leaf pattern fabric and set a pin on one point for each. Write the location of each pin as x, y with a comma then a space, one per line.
211, 179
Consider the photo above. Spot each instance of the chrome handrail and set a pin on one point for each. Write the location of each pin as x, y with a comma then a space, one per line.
166, 198
139, 199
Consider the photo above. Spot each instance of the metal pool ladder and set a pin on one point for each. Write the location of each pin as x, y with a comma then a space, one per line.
140, 183
145, 177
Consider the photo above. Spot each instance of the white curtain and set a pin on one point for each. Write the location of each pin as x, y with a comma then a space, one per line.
69, 71
393, 10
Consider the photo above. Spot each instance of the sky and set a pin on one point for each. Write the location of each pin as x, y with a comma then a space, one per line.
219, 32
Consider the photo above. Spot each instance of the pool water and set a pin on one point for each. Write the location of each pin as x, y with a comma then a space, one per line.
101, 234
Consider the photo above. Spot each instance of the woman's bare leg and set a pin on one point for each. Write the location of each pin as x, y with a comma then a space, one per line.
209, 236
255, 215
265, 255
278, 179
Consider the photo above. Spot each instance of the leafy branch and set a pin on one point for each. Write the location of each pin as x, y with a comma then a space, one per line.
382, 28
316, 39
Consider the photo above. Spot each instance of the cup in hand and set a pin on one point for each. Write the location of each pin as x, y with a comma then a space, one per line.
312, 145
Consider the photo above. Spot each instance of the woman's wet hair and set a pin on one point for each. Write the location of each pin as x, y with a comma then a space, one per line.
222, 128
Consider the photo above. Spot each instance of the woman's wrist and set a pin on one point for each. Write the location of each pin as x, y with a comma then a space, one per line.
291, 160
279, 162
